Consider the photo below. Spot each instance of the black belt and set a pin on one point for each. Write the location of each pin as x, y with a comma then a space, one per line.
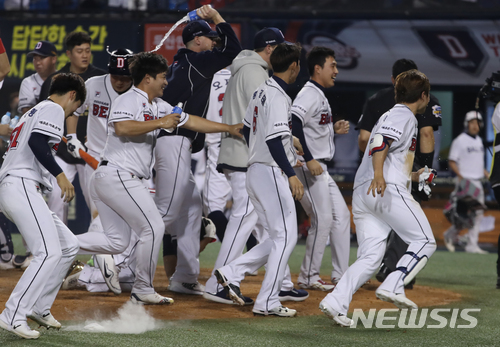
103, 163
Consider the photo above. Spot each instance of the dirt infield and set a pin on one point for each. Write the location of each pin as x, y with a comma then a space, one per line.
81, 305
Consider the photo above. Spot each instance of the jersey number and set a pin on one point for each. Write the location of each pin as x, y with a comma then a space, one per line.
220, 99
254, 122
100, 111
15, 134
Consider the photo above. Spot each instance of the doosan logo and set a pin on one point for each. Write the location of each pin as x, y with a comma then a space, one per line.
437, 318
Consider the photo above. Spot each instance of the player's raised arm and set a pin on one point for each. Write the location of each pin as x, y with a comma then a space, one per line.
136, 128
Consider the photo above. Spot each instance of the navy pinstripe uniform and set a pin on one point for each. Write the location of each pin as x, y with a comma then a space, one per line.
178, 199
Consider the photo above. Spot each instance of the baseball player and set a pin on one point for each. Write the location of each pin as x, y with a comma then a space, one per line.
466, 160
216, 190
117, 189
177, 197
44, 60
313, 125
79, 54
382, 201
249, 70
271, 184
25, 173
101, 93
428, 122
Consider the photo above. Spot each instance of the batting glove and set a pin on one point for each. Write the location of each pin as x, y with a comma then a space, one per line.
425, 180
74, 145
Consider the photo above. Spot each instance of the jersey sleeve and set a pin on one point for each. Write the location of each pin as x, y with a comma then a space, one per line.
303, 106
124, 108
164, 109
26, 96
50, 122
277, 119
455, 150
392, 127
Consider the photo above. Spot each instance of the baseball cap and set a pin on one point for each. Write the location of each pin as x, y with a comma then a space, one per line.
197, 28
45, 49
268, 36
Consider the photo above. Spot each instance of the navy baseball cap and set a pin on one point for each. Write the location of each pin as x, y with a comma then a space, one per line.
268, 36
45, 49
197, 28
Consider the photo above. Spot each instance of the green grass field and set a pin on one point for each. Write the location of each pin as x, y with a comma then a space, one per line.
473, 276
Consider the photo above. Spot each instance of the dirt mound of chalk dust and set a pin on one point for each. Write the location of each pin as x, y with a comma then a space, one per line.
79, 304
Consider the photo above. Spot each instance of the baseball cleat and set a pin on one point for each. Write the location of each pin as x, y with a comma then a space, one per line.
222, 297
20, 329
186, 288
280, 311
293, 295
232, 290
45, 320
109, 271
318, 285
150, 299
6, 265
339, 318
400, 300
71, 280
475, 250
22, 261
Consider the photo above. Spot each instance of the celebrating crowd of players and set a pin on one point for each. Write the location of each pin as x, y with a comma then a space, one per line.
146, 118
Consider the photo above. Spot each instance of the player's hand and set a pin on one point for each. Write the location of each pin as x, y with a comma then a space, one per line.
5, 130
377, 186
298, 164
207, 12
298, 146
235, 130
425, 177
314, 167
341, 127
170, 121
74, 145
296, 187
67, 189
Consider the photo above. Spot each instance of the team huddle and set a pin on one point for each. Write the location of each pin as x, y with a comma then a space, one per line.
265, 150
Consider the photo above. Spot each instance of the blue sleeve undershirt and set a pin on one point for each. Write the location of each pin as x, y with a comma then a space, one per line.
298, 131
278, 153
39, 144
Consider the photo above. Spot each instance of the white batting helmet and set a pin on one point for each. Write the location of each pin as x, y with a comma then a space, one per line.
473, 115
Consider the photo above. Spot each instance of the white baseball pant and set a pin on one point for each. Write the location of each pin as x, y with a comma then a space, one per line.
52, 244
91, 276
270, 194
56, 204
216, 190
124, 204
324, 204
179, 203
374, 219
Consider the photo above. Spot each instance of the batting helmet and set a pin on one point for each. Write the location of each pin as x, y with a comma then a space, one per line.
118, 62
471, 115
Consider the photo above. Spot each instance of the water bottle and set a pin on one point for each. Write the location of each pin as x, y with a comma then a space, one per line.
192, 15
176, 109
13, 122
5, 118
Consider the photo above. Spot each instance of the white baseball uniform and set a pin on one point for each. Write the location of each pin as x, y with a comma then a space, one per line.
216, 190
468, 153
29, 92
53, 245
376, 216
322, 198
119, 193
268, 116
